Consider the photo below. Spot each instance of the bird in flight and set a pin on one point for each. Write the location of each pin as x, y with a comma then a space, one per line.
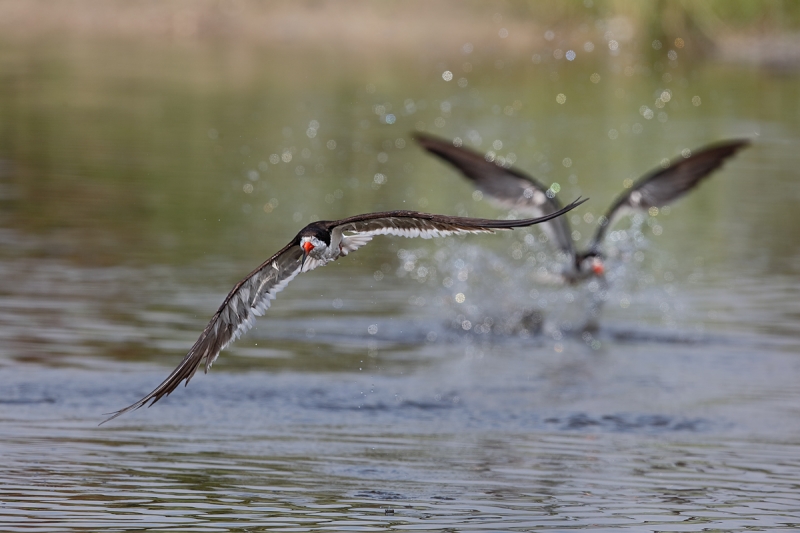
316, 245
513, 189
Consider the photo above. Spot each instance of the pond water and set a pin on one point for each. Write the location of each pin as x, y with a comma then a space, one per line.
139, 180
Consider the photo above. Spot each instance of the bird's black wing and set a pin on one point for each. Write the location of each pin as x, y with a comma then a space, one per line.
662, 186
360, 229
507, 187
250, 298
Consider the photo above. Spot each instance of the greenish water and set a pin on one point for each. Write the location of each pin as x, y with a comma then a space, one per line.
139, 182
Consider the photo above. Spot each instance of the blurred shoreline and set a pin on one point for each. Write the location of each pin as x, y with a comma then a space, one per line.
731, 31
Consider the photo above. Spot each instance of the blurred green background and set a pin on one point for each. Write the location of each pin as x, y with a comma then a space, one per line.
167, 131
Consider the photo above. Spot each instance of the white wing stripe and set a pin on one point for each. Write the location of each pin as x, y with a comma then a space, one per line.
244, 316
423, 233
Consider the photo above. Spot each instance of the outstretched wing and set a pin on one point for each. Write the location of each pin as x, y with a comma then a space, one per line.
358, 230
507, 187
662, 186
250, 298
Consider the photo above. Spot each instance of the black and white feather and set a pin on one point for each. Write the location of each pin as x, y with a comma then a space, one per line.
508, 188
315, 245
661, 186
513, 189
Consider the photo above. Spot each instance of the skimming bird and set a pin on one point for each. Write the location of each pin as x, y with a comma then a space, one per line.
316, 245
512, 189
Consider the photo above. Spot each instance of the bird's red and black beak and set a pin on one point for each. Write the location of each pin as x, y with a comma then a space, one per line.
598, 267
307, 247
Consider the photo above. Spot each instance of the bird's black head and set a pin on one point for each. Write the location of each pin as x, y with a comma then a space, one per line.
314, 239
317, 230
590, 262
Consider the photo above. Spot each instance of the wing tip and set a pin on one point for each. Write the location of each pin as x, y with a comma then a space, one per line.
121, 412
550, 216
578, 201
569, 207
420, 137
740, 142
727, 147
152, 398
435, 144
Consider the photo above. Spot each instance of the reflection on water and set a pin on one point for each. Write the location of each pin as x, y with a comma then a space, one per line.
412, 385
313, 451
516, 482
346, 430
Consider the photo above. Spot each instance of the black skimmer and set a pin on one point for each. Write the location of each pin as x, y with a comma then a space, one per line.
316, 245
513, 189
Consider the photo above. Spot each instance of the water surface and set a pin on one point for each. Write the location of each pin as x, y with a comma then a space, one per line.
136, 192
